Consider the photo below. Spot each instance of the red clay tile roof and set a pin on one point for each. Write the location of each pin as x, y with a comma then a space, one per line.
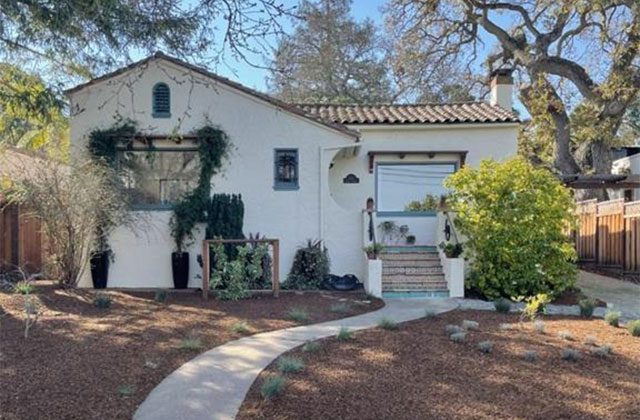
465, 112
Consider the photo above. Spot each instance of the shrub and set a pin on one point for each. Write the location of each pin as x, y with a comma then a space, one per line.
451, 250
298, 315
485, 346
634, 328
458, 337
126, 390
502, 305
272, 386
539, 327
24, 287
311, 346
507, 327
534, 305
590, 340
586, 307
161, 296
514, 217
240, 327
340, 308
612, 318
530, 355
230, 278
570, 355
470, 325
566, 335
102, 300
191, 344
452, 329
344, 334
388, 324
602, 351
290, 364
430, 314
310, 266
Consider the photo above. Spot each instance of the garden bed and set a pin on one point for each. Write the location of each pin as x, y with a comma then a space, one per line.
83, 362
416, 371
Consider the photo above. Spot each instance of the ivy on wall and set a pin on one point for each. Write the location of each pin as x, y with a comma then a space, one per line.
213, 149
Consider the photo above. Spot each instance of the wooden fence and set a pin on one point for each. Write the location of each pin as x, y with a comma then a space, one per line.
608, 234
274, 244
21, 241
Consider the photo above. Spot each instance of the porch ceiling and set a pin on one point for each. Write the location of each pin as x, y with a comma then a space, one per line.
462, 154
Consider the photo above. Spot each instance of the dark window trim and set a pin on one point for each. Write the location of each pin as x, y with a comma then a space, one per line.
404, 213
285, 186
155, 113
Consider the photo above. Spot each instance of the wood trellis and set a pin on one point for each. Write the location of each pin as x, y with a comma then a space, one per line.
275, 261
608, 234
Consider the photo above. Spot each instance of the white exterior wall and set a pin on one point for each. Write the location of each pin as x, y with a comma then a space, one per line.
496, 141
322, 208
626, 165
255, 129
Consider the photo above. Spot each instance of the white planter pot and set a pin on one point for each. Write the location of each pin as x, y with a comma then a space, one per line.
454, 274
373, 283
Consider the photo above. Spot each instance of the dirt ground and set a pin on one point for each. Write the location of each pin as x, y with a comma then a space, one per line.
82, 362
417, 372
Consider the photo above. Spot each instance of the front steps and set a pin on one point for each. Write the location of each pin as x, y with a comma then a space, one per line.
412, 272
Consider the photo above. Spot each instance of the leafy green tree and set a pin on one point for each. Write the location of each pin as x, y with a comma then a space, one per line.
31, 115
515, 217
330, 57
576, 62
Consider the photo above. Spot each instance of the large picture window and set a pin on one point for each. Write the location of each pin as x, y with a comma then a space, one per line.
286, 169
400, 184
159, 178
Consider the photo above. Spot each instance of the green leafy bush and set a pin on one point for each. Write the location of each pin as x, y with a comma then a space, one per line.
634, 328
344, 334
485, 346
587, 307
451, 250
161, 296
191, 344
514, 217
298, 315
290, 364
240, 327
388, 324
612, 318
102, 300
24, 288
311, 346
428, 203
310, 266
502, 305
534, 305
272, 386
570, 355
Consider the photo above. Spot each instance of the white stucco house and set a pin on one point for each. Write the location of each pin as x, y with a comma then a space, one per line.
342, 156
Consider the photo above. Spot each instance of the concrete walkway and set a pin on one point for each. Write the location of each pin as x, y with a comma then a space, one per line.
213, 385
620, 295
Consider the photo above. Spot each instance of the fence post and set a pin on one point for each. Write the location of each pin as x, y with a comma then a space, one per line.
205, 269
276, 268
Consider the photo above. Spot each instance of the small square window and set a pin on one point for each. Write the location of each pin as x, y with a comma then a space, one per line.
285, 169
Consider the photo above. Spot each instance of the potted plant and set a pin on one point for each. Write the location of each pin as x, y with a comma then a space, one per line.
99, 263
411, 239
180, 269
451, 250
373, 250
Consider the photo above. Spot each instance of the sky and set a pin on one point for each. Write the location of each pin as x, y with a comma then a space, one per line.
255, 77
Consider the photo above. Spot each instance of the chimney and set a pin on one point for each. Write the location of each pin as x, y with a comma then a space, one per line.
502, 88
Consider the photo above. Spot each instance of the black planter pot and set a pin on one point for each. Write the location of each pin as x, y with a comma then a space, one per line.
100, 269
180, 269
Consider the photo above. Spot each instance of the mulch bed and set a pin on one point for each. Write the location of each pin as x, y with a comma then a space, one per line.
78, 357
416, 372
